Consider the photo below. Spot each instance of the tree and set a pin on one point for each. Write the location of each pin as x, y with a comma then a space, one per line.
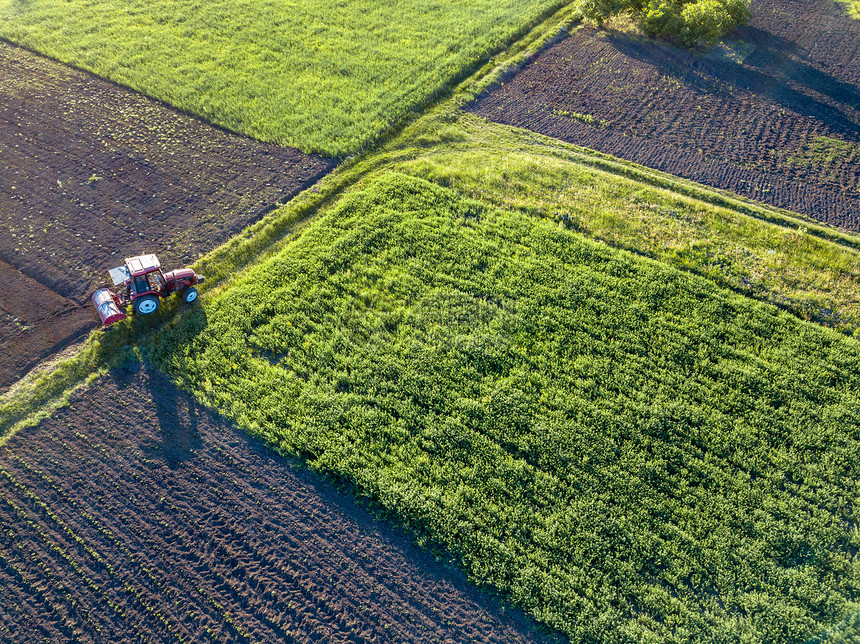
687, 22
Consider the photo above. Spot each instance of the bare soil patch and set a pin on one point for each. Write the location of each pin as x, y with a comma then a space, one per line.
91, 173
136, 514
773, 114
34, 322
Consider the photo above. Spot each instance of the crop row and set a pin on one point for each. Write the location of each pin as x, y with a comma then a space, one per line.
628, 451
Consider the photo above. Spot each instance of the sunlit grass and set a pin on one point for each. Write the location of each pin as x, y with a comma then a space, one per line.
781, 257
596, 434
322, 75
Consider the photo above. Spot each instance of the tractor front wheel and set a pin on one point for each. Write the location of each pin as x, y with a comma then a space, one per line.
146, 305
189, 295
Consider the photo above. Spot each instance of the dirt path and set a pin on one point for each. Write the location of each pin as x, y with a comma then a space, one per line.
91, 173
135, 514
774, 114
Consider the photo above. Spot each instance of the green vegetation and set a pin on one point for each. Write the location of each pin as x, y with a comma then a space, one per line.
782, 258
846, 632
853, 7
41, 392
325, 75
771, 255
631, 453
687, 22
827, 153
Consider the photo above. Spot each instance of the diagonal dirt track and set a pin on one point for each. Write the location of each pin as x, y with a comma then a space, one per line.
135, 514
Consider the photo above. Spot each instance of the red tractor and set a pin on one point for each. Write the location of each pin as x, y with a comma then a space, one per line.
143, 286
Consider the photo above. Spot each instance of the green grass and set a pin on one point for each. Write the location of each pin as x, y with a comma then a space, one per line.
41, 392
826, 154
771, 255
325, 76
629, 452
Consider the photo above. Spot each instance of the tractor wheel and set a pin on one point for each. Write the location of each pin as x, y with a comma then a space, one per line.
189, 295
146, 305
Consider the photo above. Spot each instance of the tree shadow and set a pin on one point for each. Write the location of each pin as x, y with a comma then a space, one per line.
772, 71
780, 58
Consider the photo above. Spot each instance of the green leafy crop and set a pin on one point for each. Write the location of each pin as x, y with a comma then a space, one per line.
629, 452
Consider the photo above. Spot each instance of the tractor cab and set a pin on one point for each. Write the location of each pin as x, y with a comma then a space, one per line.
142, 276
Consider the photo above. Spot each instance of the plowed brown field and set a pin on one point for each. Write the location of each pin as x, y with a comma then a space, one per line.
91, 173
773, 114
136, 514
25, 334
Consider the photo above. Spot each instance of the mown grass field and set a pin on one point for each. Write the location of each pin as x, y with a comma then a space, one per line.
628, 451
323, 76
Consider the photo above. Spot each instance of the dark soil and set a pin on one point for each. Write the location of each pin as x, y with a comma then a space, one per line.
34, 322
91, 173
136, 514
772, 114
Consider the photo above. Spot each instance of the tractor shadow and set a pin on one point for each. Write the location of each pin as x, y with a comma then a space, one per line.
177, 412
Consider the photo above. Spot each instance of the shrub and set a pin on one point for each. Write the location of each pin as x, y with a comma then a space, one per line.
705, 21
661, 19
686, 22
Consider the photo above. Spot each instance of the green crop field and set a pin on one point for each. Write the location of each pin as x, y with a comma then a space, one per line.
798, 264
630, 452
324, 76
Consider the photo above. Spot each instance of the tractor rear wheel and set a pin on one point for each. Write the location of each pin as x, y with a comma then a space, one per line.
146, 305
189, 295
